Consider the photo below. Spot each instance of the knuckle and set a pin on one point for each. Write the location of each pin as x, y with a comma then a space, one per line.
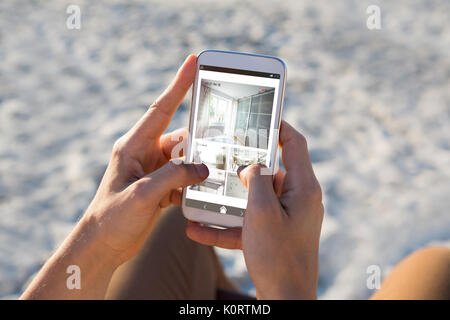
133, 193
119, 147
314, 193
177, 168
254, 170
138, 188
174, 166
301, 140
137, 191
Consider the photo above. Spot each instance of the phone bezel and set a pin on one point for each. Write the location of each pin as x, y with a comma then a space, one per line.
244, 61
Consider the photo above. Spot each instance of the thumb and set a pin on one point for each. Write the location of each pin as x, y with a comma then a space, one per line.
172, 175
261, 195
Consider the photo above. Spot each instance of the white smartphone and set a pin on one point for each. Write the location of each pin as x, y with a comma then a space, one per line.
236, 106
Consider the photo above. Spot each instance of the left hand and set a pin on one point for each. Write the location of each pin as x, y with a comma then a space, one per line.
139, 181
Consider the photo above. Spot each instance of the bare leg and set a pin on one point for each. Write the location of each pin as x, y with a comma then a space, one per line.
425, 274
170, 266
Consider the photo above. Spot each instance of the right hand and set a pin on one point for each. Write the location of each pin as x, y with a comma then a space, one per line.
281, 230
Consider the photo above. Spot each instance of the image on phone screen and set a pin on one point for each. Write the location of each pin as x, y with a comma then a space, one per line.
234, 116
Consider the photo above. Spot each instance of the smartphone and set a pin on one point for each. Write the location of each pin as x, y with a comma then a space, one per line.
236, 107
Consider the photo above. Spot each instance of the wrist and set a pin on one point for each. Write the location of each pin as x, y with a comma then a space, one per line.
287, 295
88, 240
289, 291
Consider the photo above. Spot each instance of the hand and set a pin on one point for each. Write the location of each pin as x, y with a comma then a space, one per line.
281, 230
139, 181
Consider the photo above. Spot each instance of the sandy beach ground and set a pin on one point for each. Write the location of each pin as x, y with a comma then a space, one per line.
373, 104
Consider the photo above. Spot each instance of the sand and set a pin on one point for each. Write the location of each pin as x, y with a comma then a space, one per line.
374, 106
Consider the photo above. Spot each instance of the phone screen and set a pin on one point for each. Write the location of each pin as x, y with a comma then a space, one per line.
233, 123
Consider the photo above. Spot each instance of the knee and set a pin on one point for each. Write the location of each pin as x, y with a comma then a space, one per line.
429, 269
440, 255
172, 219
424, 274
434, 261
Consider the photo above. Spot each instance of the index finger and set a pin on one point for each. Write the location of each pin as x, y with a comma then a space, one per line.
159, 114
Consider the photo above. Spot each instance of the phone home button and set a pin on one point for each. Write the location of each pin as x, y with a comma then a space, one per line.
223, 210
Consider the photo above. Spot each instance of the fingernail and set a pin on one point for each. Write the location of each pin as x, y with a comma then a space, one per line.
202, 170
240, 169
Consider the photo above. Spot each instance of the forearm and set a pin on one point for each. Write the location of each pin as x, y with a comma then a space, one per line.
80, 250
